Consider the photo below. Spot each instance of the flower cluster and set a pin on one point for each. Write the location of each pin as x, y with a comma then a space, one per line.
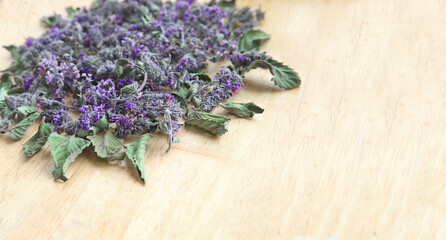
229, 82
186, 63
165, 46
246, 58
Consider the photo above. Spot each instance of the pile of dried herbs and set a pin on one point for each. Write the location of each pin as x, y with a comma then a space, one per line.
131, 67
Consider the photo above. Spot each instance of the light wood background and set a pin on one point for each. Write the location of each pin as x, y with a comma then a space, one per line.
357, 152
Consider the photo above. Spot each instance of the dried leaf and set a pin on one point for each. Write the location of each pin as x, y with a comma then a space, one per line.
284, 76
17, 65
106, 145
251, 40
102, 123
131, 88
136, 151
211, 123
242, 109
49, 21
64, 150
226, 4
20, 129
72, 12
35, 143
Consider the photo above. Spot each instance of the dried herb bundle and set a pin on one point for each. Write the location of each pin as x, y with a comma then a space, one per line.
131, 67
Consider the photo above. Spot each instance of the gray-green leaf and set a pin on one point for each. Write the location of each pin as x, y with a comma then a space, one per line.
181, 92
94, 4
72, 12
24, 111
251, 40
106, 145
102, 123
36, 142
50, 21
4, 125
226, 4
136, 151
5, 85
90, 132
131, 88
284, 76
120, 65
209, 122
20, 129
6, 81
242, 109
3, 93
181, 95
17, 65
64, 150
6, 112
202, 76
115, 157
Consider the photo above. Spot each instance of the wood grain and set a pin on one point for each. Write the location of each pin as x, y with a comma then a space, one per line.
357, 152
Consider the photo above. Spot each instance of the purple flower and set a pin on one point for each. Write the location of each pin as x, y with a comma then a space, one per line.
29, 42
129, 105
84, 122
186, 63
28, 82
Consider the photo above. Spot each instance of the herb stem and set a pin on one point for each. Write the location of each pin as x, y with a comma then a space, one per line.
145, 79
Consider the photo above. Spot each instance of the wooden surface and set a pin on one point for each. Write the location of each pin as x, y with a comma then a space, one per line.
358, 152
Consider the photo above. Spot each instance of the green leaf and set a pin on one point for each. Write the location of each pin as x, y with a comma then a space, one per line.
140, 64
6, 81
120, 65
196, 100
106, 145
3, 93
114, 158
203, 77
16, 90
5, 110
156, 33
136, 151
20, 129
13, 50
5, 85
24, 111
84, 133
49, 21
211, 123
90, 132
102, 123
242, 109
181, 92
251, 40
131, 88
154, 7
36, 142
72, 12
4, 125
226, 4
220, 35
284, 76
145, 18
183, 104
192, 91
181, 95
64, 150
95, 3
17, 64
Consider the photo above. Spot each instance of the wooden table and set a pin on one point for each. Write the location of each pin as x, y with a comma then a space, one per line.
357, 152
